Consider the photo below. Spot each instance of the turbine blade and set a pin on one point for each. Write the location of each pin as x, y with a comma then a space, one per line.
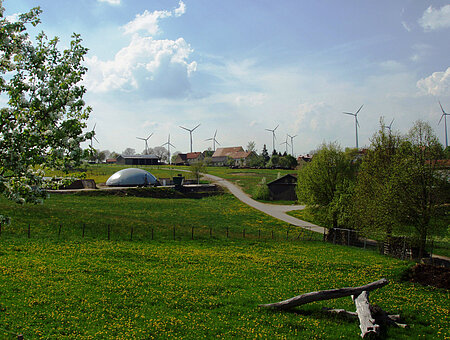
184, 128
442, 116
217, 142
208, 139
390, 125
348, 113
93, 129
359, 109
149, 136
96, 139
357, 123
195, 127
441, 107
276, 127
215, 133
269, 130
140, 138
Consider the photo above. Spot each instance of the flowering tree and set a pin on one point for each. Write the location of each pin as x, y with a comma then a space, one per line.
44, 113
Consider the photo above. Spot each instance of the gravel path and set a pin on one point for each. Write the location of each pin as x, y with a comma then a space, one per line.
274, 210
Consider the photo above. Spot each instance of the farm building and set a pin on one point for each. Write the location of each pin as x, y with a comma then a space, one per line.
138, 160
283, 188
189, 158
235, 156
131, 177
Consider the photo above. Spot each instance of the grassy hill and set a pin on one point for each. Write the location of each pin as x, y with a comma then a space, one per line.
74, 287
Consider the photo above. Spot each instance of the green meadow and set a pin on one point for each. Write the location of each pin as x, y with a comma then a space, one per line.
61, 285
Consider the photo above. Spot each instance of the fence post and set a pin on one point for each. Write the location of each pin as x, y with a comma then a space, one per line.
192, 233
109, 232
348, 237
324, 237
259, 233
152, 234
243, 233
227, 232
174, 233
84, 227
29, 230
210, 231
334, 236
272, 234
287, 235
59, 230
131, 234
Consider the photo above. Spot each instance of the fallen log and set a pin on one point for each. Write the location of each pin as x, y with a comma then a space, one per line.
380, 315
367, 323
325, 295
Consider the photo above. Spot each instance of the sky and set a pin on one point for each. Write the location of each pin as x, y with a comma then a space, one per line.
241, 67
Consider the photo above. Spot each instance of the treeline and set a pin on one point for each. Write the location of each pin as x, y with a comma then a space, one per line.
398, 185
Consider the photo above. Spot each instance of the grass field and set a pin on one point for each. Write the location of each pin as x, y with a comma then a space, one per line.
85, 288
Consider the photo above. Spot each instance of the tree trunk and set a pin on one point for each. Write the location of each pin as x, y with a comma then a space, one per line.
325, 295
367, 323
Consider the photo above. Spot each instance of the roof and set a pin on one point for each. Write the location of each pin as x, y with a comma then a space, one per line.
224, 152
140, 157
286, 179
193, 155
240, 154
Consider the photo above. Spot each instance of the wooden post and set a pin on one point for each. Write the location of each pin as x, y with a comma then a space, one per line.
152, 234
259, 233
29, 230
59, 230
210, 231
84, 227
243, 233
348, 237
131, 234
174, 233
19, 337
227, 232
192, 233
287, 235
324, 236
334, 236
272, 234
109, 232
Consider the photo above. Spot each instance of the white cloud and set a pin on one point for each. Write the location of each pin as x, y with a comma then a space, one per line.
436, 84
435, 19
111, 2
149, 21
13, 17
154, 67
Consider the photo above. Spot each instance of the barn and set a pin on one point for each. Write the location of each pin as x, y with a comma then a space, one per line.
283, 188
138, 160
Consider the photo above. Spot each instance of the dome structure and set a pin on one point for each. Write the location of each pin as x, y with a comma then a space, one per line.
131, 177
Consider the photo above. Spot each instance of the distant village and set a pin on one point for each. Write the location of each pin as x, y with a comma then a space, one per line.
235, 156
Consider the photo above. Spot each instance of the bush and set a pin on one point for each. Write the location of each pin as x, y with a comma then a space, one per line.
261, 191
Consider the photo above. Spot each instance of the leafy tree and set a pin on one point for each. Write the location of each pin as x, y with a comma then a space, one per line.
265, 154
399, 185
44, 114
197, 168
161, 152
321, 182
251, 146
129, 152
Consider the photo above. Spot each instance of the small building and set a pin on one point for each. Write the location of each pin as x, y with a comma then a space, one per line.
189, 158
111, 161
131, 177
283, 188
302, 160
138, 160
235, 156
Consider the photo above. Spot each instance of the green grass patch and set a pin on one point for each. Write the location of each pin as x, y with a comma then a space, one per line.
145, 290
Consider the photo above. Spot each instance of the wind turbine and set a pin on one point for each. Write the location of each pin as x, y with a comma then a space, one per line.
93, 136
190, 132
389, 127
444, 114
356, 122
286, 142
292, 143
169, 144
146, 142
273, 137
214, 140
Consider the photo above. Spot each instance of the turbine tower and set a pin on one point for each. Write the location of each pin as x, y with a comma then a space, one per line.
356, 122
286, 142
146, 142
190, 132
93, 136
444, 114
169, 144
273, 137
214, 141
292, 143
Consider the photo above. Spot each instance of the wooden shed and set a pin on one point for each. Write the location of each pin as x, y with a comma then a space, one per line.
283, 188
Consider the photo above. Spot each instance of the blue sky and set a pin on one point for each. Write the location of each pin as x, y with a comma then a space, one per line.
243, 66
